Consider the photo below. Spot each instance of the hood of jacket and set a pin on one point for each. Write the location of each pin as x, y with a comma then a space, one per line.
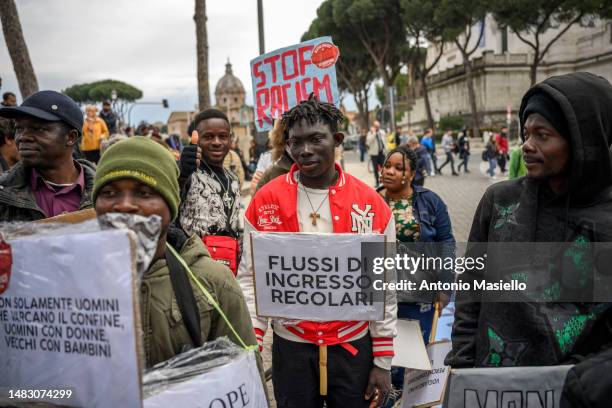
586, 102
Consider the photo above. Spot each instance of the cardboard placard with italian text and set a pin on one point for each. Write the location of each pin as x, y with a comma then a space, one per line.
68, 320
316, 277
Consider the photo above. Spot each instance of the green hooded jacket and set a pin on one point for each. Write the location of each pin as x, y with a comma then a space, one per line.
165, 334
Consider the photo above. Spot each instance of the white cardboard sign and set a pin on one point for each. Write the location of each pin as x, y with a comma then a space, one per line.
410, 351
426, 388
67, 319
316, 277
236, 385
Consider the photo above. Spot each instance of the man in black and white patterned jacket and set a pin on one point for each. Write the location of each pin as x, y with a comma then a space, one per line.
210, 194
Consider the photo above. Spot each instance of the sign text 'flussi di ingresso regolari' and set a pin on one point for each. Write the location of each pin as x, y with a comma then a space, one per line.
285, 77
318, 277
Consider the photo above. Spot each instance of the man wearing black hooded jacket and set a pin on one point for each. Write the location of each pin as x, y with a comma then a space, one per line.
565, 197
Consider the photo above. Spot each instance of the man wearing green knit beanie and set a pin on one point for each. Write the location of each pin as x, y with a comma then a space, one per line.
139, 176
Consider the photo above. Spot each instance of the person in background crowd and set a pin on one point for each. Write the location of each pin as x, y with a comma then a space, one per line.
253, 157
94, 130
363, 134
129, 131
429, 143
233, 163
109, 117
139, 176
490, 155
448, 145
501, 140
9, 153
566, 199
463, 145
317, 196
280, 155
517, 167
420, 216
106, 143
210, 194
47, 181
9, 99
422, 161
174, 142
375, 142
265, 160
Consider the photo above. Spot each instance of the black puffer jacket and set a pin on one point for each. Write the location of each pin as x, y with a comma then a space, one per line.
525, 210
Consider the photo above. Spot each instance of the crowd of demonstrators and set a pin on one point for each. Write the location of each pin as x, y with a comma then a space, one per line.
47, 181
375, 142
566, 138
449, 147
94, 131
420, 216
317, 196
564, 198
139, 176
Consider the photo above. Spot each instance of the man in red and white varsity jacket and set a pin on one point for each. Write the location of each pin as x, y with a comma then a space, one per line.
317, 196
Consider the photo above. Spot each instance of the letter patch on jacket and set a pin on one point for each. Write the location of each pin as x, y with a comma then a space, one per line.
268, 216
362, 219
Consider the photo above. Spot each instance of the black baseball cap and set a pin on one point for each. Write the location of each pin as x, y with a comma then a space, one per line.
50, 106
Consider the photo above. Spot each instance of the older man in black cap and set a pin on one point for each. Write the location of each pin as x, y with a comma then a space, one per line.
47, 182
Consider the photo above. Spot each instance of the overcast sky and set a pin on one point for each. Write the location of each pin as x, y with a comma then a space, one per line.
149, 44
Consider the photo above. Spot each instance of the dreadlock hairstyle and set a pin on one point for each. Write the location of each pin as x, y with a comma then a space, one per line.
313, 111
407, 154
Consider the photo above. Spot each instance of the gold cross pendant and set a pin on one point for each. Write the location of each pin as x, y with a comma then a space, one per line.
314, 217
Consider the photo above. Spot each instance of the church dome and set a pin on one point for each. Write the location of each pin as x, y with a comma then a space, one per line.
229, 84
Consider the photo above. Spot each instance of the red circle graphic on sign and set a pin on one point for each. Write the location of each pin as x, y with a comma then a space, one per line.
325, 55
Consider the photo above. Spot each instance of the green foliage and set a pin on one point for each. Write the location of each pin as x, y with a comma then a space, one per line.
100, 91
454, 122
457, 17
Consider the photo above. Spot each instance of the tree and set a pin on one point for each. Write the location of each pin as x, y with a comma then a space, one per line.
419, 18
530, 20
378, 27
355, 69
202, 51
17, 48
462, 23
101, 91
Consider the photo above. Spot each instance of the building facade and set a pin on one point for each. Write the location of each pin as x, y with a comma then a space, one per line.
501, 68
230, 98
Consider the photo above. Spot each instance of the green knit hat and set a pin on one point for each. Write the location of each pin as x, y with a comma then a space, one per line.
144, 160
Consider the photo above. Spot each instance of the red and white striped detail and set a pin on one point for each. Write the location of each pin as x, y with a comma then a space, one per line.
259, 335
382, 346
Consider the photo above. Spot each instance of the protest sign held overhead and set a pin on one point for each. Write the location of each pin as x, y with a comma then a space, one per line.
318, 277
285, 77
67, 320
